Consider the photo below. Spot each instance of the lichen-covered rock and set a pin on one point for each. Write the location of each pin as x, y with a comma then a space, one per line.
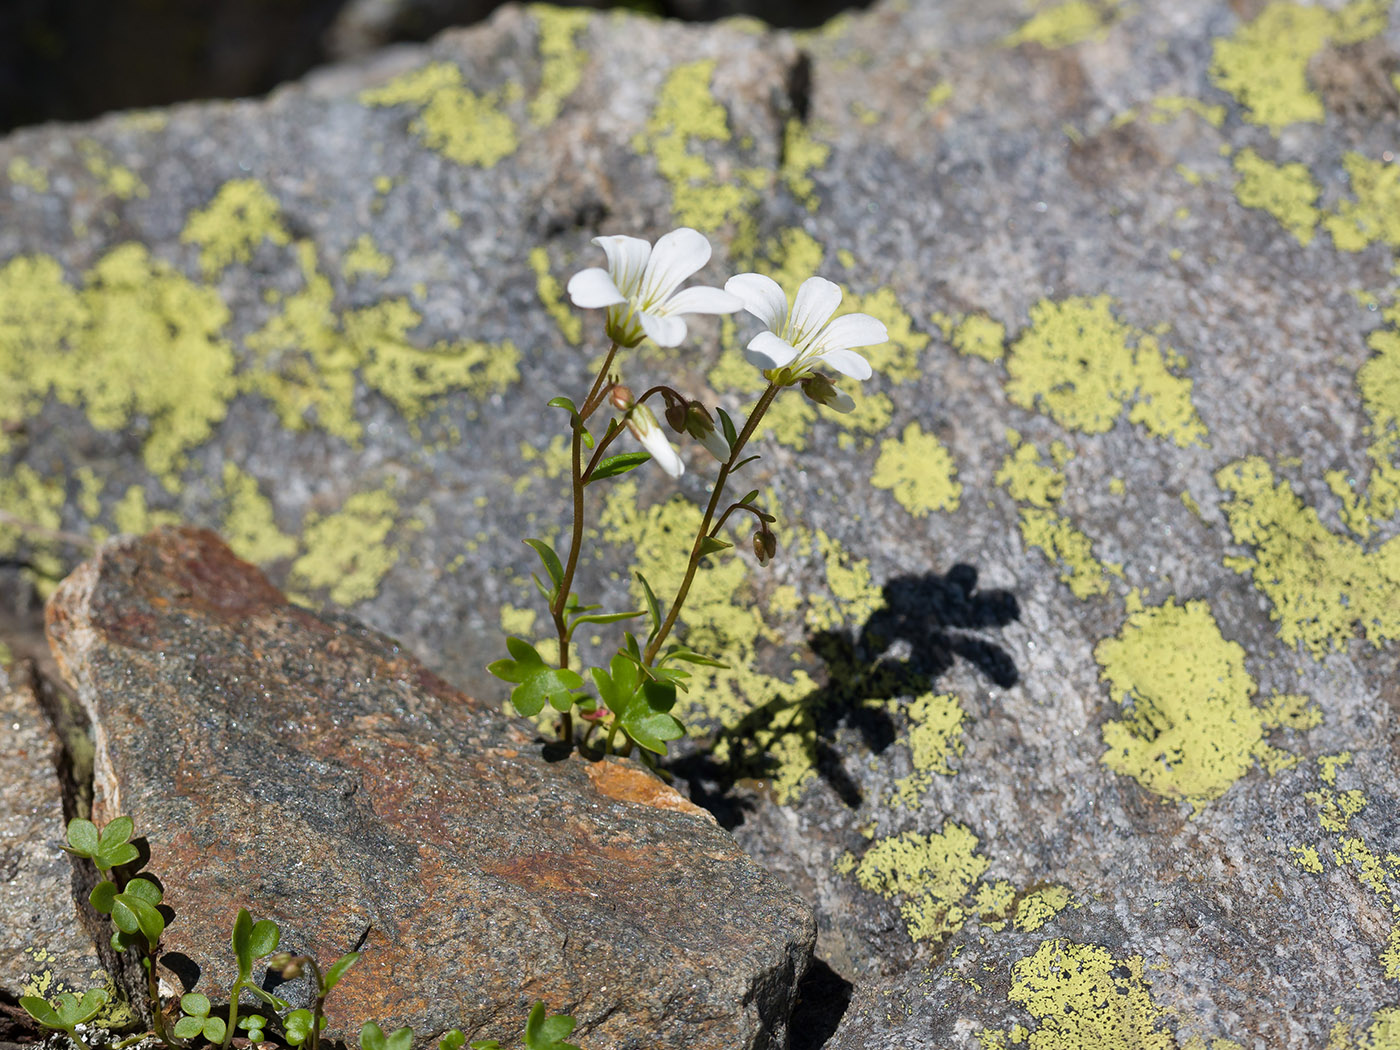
1075, 676
312, 772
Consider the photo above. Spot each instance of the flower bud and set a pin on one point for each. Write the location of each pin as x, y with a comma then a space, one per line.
641, 421
765, 545
621, 397
701, 426
823, 391
676, 411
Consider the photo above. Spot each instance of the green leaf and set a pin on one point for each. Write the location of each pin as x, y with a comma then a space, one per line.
117, 831
401, 1039
619, 464
551, 560
617, 688
743, 462
253, 1023
115, 855
486, 1044
454, 1040
188, 1027
215, 1028
690, 656
73, 1011
133, 914
562, 402
83, 837
647, 718
194, 1004
147, 890
372, 1037
539, 683
297, 1027
239, 938
727, 425
653, 607
604, 617
265, 936
338, 968
710, 545
749, 498
547, 1033
41, 1010
102, 896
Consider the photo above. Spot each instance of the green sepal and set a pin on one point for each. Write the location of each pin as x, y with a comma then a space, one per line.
551, 560
539, 683
547, 1033
647, 718
102, 896
710, 545
619, 464
727, 425
337, 971
653, 607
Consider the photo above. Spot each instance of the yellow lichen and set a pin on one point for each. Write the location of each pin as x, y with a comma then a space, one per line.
116, 179
241, 216
1066, 23
979, 336
130, 514
1038, 907
1329, 764
1167, 107
802, 155
1306, 858
365, 257
1191, 728
551, 294
1286, 191
1383, 1033
931, 875
348, 553
30, 498
919, 470
561, 59
23, 172
1082, 366
938, 96
1374, 216
453, 120
935, 739
249, 525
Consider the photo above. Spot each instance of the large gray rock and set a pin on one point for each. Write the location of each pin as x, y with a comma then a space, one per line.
1071, 699
311, 772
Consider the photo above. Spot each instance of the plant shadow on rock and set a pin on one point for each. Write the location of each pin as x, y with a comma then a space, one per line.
926, 623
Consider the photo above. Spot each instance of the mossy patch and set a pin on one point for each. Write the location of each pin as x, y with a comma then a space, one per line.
1191, 727
453, 120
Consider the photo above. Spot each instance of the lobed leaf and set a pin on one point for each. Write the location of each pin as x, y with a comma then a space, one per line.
647, 719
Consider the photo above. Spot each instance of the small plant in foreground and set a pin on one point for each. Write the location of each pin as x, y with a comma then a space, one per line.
134, 905
636, 690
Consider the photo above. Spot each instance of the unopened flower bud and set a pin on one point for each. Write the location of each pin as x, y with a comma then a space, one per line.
765, 545
621, 397
641, 421
289, 965
676, 410
701, 426
823, 391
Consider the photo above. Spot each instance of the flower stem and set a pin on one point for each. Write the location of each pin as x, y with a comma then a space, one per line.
657, 642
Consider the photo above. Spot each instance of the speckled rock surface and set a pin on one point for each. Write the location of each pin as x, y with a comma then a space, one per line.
311, 772
1071, 700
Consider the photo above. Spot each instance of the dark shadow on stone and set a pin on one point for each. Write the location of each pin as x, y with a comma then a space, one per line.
185, 969
822, 998
908, 643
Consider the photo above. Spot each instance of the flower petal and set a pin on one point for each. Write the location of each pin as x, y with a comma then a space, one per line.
850, 331
847, 362
627, 260
676, 256
816, 301
842, 402
767, 350
701, 300
665, 330
666, 457
762, 298
592, 288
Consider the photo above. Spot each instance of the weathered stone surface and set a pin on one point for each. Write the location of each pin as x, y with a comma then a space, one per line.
44, 946
312, 772
1139, 265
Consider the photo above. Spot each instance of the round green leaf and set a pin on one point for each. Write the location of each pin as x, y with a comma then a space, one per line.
115, 855
147, 890
102, 896
372, 1037
297, 1026
118, 830
214, 1029
41, 1010
453, 1040
400, 1039
188, 1027
264, 938
123, 916
83, 837
194, 1004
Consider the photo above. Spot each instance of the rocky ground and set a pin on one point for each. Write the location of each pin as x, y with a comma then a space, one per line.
1068, 707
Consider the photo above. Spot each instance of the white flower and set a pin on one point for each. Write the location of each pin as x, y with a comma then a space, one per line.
797, 340
639, 287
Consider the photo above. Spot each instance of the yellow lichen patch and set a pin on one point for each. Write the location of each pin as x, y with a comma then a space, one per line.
938, 96
1328, 765
935, 739
131, 515
1191, 728
919, 470
1081, 365
551, 294
1374, 216
249, 524
23, 172
1264, 64
518, 622
34, 500
453, 120
687, 115
1323, 587
1066, 23
898, 359
1306, 858
348, 552
1027, 478
1166, 108
1288, 192
561, 59
930, 874
364, 257
1082, 996
802, 155
116, 179
1038, 907
139, 340
1383, 1033
979, 336
241, 216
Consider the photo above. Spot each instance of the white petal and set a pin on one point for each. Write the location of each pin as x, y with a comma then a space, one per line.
666, 457
847, 362
816, 301
715, 445
762, 298
842, 402
702, 300
592, 288
766, 351
664, 330
849, 331
627, 260
676, 256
